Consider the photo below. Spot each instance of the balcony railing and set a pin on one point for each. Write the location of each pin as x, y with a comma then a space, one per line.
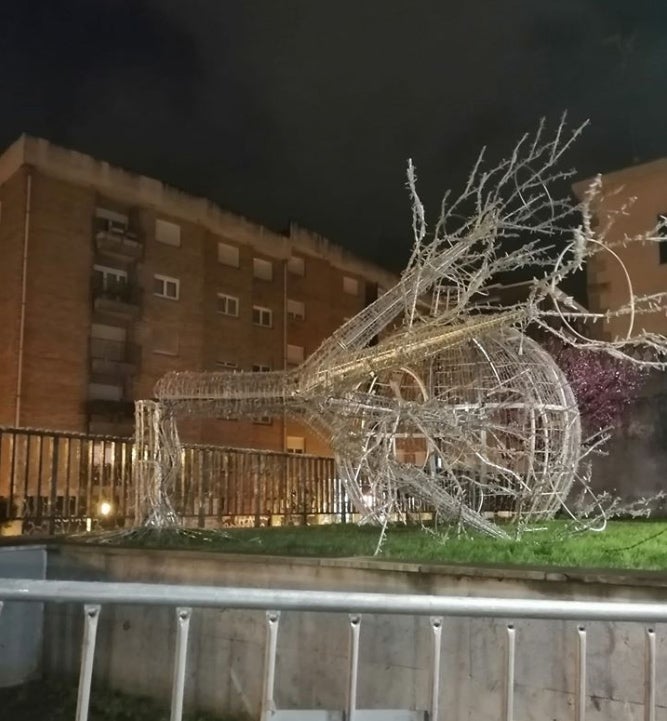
120, 242
115, 294
114, 353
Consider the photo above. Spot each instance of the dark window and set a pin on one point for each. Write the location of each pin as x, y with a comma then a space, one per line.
662, 232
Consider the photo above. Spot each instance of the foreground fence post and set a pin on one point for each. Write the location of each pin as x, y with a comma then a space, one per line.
649, 680
355, 627
268, 703
91, 617
180, 662
508, 695
436, 627
580, 690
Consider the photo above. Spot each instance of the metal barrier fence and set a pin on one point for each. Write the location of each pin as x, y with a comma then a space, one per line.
184, 598
57, 482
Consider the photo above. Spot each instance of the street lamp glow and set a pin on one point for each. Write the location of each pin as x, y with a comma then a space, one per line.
105, 508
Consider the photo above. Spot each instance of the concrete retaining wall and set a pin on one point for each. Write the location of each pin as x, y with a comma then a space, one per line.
21, 623
135, 645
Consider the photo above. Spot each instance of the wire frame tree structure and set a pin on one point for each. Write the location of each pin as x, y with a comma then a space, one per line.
435, 390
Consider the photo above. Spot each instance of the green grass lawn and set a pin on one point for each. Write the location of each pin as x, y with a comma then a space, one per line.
625, 544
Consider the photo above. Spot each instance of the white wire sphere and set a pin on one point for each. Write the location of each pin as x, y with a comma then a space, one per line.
490, 421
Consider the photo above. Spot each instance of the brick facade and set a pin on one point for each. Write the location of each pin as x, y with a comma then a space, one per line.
101, 323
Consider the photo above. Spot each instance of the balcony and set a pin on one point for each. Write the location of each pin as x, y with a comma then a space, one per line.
115, 295
117, 241
112, 358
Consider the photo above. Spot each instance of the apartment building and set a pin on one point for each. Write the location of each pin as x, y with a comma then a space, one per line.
109, 280
632, 201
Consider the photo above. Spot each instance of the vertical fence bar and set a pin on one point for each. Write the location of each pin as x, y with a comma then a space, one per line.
256, 488
200, 488
89, 479
67, 504
180, 662
268, 703
121, 511
355, 627
8, 512
27, 506
580, 691
91, 617
507, 713
53, 494
38, 493
649, 676
12, 471
436, 628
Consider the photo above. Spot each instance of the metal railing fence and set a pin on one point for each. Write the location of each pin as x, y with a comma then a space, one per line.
55, 482
185, 598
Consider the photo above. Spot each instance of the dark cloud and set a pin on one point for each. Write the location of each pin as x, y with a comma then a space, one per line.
308, 110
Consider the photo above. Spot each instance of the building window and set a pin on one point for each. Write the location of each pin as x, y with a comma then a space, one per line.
166, 287
262, 269
262, 316
662, 232
105, 392
230, 366
350, 285
228, 304
261, 420
296, 265
296, 309
228, 255
294, 354
108, 221
295, 444
167, 233
109, 278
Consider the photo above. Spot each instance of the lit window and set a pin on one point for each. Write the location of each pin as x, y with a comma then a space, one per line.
295, 444
262, 316
262, 269
228, 304
296, 309
228, 254
166, 287
294, 354
350, 285
296, 265
167, 233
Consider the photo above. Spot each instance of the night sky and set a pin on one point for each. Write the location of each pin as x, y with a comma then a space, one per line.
307, 110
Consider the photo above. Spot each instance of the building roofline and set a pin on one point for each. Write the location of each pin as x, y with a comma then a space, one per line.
623, 175
140, 190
